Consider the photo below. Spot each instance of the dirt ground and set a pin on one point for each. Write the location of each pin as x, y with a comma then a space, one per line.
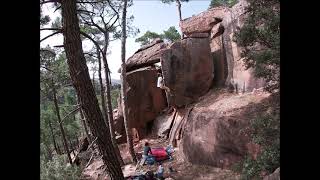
183, 170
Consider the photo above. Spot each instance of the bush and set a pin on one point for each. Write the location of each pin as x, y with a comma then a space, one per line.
115, 93
58, 168
266, 133
260, 38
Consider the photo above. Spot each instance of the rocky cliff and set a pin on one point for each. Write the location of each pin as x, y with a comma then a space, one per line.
210, 125
220, 24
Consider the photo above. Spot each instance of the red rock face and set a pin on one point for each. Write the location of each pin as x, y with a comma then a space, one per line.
146, 56
215, 131
221, 23
145, 99
187, 69
202, 22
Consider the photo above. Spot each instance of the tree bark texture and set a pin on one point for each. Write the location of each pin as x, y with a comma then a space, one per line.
103, 102
124, 84
109, 105
81, 81
180, 16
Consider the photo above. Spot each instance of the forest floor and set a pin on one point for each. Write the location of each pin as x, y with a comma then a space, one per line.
183, 170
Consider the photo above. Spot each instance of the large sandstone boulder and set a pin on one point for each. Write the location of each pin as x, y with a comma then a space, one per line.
187, 70
146, 55
203, 22
145, 99
215, 130
222, 24
162, 124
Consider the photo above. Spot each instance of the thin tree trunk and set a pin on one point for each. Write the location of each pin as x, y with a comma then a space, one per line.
180, 16
54, 139
124, 84
60, 125
58, 147
93, 73
81, 80
48, 151
84, 123
71, 148
78, 143
103, 102
109, 115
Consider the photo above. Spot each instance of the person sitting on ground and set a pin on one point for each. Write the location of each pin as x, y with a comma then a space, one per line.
146, 151
160, 171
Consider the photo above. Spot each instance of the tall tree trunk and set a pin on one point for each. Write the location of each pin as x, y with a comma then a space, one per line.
60, 124
180, 16
109, 115
85, 91
54, 139
124, 83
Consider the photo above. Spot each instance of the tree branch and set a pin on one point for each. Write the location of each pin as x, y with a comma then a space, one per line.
57, 8
73, 111
47, 69
87, 2
96, 25
117, 13
57, 32
50, 29
49, 1
95, 43
90, 54
59, 46
82, 10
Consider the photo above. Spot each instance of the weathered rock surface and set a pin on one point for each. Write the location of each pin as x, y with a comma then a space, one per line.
146, 56
187, 70
162, 125
198, 35
145, 99
214, 133
203, 22
222, 24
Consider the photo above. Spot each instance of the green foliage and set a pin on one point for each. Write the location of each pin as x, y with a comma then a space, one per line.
228, 3
170, 1
266, 133
147, 37
54, 73
57, 169
57, 23
115, 93
170, 35
44, 20
260, 37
